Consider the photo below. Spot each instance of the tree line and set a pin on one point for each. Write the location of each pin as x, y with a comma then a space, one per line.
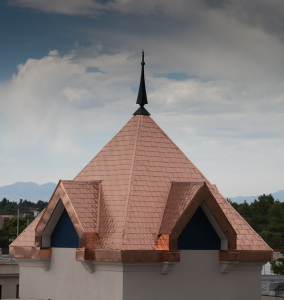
9, 231
266, 216
8, 207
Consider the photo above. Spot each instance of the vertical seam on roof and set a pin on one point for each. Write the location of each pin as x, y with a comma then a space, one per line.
99, 207
130, 181
179, 149
100, 151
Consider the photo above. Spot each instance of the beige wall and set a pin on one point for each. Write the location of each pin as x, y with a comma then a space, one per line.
196, 277
9, 285
9, 278
67, 279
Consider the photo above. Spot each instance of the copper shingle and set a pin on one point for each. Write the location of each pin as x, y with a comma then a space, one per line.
136, 210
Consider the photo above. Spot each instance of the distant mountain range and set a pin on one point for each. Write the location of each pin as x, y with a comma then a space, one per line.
240, 199
34, 192
27, 190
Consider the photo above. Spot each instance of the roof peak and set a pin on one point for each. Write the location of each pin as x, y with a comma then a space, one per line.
142, 96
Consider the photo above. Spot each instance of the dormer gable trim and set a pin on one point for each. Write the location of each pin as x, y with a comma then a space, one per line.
184, 199
60, 200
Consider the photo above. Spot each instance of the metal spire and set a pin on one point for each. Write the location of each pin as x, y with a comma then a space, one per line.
142, 96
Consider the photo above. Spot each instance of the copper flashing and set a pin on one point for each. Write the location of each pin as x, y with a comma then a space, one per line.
183, 201
163, 242
127, 256
182, 194
29, 252
131, 202
246, 256
80, 199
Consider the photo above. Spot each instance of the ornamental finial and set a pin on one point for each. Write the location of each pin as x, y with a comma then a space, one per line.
142, 96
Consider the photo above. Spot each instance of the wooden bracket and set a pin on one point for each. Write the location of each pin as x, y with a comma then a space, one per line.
227, 266
88, 265
167, 267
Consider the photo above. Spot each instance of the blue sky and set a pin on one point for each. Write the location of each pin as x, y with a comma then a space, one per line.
69, 76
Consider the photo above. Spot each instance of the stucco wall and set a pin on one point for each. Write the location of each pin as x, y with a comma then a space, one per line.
196, 277
9, 285
67, 279
9, 278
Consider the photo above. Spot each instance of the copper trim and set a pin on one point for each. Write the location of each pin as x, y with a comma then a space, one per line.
45, 253
186, 216
74, 217
246, 256
83, 254
127, 256
203, 194
60, 193
162, 242
222, 220
29, 252
150, 256
47, 214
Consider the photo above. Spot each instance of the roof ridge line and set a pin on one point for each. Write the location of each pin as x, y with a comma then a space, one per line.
178, 148
101, 150
72, 208
202, 184
130, 182
48, 204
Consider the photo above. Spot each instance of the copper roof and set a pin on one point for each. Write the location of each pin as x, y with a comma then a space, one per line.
147, 184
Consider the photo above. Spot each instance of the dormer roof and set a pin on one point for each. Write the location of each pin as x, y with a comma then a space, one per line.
137, 194
133, 201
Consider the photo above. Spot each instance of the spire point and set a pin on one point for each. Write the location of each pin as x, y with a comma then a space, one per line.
142, 96
143, 63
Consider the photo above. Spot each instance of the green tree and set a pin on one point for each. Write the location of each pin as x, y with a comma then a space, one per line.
12, 225
277, 265
275, 241
11, 208
276, 213
9, 232
245, 210
260, 208
266, 216
41, 205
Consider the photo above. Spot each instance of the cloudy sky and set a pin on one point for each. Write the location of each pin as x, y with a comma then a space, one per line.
70, 71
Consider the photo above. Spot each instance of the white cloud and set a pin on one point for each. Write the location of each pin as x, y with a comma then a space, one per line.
67, 7
56, 116
76, 95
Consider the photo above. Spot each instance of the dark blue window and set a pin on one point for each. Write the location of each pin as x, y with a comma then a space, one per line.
198, 234
64, 234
